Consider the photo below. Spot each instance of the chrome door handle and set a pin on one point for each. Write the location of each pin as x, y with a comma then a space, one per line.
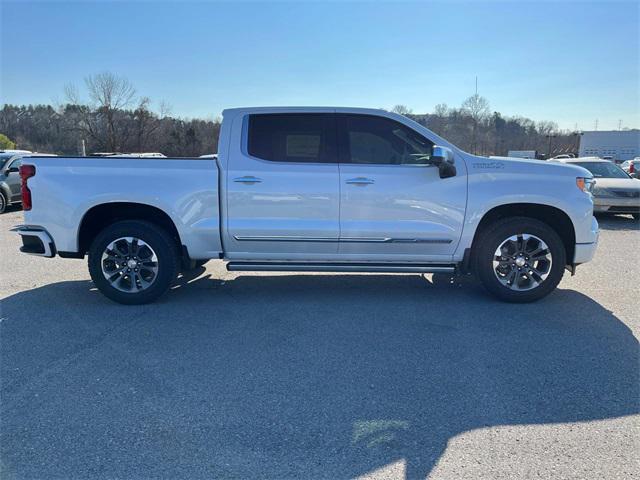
360, 181
247, 179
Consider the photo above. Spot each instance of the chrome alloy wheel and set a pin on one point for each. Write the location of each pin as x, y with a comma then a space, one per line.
522, 262
129, 264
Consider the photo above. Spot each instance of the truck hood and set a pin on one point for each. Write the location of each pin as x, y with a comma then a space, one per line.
618, 183
525, 166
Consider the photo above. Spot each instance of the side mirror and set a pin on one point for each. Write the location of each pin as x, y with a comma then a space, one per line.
442, 157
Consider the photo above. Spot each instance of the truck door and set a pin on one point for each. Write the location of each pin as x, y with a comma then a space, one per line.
282, 188
394, 206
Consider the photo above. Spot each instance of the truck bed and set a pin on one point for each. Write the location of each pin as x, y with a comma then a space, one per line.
185, 189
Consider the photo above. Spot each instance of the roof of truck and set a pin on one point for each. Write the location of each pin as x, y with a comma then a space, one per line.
376, 111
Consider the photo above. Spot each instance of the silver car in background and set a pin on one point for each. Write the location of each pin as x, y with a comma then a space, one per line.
10, 182
614, 191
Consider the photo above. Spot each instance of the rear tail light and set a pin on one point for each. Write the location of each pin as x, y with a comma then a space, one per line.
26, 172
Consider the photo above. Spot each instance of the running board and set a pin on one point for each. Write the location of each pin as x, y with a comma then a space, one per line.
339, 267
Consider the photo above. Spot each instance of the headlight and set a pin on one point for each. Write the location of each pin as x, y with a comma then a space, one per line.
585, 184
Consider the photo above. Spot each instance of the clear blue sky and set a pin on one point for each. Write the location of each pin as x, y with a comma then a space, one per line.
570, 62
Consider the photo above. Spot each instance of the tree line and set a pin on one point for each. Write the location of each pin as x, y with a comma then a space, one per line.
109, 116
476, 129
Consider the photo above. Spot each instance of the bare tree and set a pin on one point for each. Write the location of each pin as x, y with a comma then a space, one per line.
402, 110
477, 108
109, 95
441, 110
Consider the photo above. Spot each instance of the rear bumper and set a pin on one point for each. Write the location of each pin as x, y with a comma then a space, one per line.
35, 241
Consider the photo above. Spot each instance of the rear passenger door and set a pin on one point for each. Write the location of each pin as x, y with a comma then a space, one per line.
394, 205
282, 188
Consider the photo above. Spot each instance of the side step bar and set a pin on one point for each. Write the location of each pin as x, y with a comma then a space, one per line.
339, 267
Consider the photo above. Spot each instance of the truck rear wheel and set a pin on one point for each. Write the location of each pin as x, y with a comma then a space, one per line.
133, 262
519, 259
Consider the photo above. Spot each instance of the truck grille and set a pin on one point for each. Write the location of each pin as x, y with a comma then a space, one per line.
626, 193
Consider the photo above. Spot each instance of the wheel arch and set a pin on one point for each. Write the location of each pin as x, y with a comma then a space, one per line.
100, 216
552, 216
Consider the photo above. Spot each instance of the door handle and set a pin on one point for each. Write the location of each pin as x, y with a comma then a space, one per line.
247, 179
360, 181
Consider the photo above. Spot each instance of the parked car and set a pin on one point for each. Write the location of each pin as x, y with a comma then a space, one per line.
7, 154
139, 155
632, 167
614, 191
10, 179
130, 155
313, 189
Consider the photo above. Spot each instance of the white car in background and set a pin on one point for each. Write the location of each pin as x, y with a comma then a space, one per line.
614, 191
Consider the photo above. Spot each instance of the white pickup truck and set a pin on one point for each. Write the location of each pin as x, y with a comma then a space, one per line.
313, 189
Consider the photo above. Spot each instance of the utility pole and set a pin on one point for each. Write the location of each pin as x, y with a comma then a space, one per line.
596, 129
476, 85
549, 149
620, 124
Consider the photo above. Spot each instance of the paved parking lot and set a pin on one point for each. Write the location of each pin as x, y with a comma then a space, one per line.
319, 376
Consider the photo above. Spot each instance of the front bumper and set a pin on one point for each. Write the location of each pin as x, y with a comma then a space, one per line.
616, 205
35, 241
584, 252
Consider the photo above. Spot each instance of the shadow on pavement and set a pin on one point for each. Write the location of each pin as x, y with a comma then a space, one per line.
287, 376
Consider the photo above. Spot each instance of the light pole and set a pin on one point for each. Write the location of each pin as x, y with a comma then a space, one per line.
550, 136
577, 143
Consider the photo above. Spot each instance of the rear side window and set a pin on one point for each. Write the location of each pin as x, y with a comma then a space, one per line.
15, 164
368, 139
307, 138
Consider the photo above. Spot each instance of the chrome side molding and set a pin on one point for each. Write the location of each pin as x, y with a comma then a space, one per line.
292, 238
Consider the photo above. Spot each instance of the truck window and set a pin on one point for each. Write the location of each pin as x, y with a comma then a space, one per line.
377, 140
308, 138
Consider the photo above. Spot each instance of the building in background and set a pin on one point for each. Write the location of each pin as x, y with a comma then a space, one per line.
619, 145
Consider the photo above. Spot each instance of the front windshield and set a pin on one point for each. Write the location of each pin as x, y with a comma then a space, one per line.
603, 169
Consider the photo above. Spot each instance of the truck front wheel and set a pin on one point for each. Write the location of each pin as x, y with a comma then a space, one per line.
133, 262
519, 259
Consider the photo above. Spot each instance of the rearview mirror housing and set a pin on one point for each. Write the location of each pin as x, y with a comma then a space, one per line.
442, 157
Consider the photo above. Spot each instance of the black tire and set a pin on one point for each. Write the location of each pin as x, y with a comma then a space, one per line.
492, 237
161, 243
3, 202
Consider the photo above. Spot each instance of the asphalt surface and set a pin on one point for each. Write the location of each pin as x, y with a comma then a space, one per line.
319, 376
